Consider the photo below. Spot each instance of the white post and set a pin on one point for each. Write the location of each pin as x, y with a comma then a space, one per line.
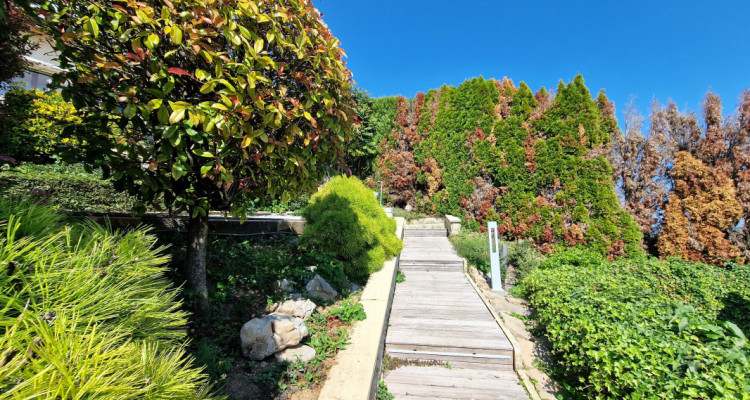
495, 273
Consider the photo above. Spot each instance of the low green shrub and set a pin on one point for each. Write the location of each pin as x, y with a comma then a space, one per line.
67, 186
474, 247
88, 313
344, 218
643, 328
524, 258
349, 311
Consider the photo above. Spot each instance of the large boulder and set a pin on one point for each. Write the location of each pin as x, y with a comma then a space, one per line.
299, 353
264, 336
298, 306
318, 288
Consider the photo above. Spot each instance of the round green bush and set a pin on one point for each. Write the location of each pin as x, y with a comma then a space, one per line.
344, 218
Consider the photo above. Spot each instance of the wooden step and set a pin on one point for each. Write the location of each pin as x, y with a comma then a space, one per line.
425, 233
455, 354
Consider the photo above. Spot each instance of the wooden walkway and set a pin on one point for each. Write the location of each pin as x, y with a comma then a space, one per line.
438, 318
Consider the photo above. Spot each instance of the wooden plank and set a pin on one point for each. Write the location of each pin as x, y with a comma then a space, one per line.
479, 373
458, 393
412, 337
452, 380
447, 356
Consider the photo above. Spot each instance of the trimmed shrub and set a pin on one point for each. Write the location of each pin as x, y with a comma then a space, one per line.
344, 218
67, 186
643, 328
87, 313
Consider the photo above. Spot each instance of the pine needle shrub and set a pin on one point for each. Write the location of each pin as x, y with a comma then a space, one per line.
87, 313
344, 218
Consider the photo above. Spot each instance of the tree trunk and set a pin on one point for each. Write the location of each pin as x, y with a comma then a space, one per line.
196, 265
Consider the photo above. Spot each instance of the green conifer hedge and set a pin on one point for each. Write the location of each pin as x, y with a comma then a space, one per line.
490, 151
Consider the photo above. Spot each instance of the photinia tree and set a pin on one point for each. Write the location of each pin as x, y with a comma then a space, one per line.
199, 105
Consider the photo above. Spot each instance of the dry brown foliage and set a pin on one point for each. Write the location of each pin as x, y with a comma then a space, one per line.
397, 168
701, 210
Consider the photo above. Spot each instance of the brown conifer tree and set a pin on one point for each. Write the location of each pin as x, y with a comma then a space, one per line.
701, 210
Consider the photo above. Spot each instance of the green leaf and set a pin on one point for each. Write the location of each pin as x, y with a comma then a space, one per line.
176, 116
154, 104
203, 153
177, 171
176, 35
152, 41
258, 47
208, 87
92, 27
129, 110
163, 115
201, 74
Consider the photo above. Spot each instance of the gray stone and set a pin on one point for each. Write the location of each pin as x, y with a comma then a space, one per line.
296, 307
408, 208
320, 289
453, 224
264, 336
299, 353
355, 287
283, 286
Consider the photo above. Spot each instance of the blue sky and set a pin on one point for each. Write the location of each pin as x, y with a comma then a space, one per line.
648, 49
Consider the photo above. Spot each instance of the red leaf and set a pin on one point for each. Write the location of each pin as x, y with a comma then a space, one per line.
178, 71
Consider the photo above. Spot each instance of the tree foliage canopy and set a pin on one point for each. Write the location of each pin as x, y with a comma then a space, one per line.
201, 103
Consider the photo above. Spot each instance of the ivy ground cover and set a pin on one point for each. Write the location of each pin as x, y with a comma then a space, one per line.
644, 328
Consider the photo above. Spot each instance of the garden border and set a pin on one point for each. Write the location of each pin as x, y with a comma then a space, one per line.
517, 360
356, 370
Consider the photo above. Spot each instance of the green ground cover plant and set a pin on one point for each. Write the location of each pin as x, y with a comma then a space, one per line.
88, 313
345, 219
643, 328
241, 276
67, 186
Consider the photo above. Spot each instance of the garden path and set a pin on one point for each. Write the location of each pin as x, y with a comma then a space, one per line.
451, 344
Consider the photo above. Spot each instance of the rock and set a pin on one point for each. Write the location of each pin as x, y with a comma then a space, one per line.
320, 289
283, 286
296, 307
355, 287
299, 353
264, 336
408, 208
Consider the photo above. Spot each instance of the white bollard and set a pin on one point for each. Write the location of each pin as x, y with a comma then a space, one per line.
496, 275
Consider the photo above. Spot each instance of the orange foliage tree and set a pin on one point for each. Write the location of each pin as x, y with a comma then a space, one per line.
702, 208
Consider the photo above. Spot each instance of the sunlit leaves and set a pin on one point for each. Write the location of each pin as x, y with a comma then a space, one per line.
259, 87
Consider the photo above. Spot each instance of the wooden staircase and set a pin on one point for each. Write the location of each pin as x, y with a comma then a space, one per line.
437, 317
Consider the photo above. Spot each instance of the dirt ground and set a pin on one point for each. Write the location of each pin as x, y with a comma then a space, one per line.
510, 309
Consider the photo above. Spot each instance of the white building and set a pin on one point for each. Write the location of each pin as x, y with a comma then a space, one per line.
42, 65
